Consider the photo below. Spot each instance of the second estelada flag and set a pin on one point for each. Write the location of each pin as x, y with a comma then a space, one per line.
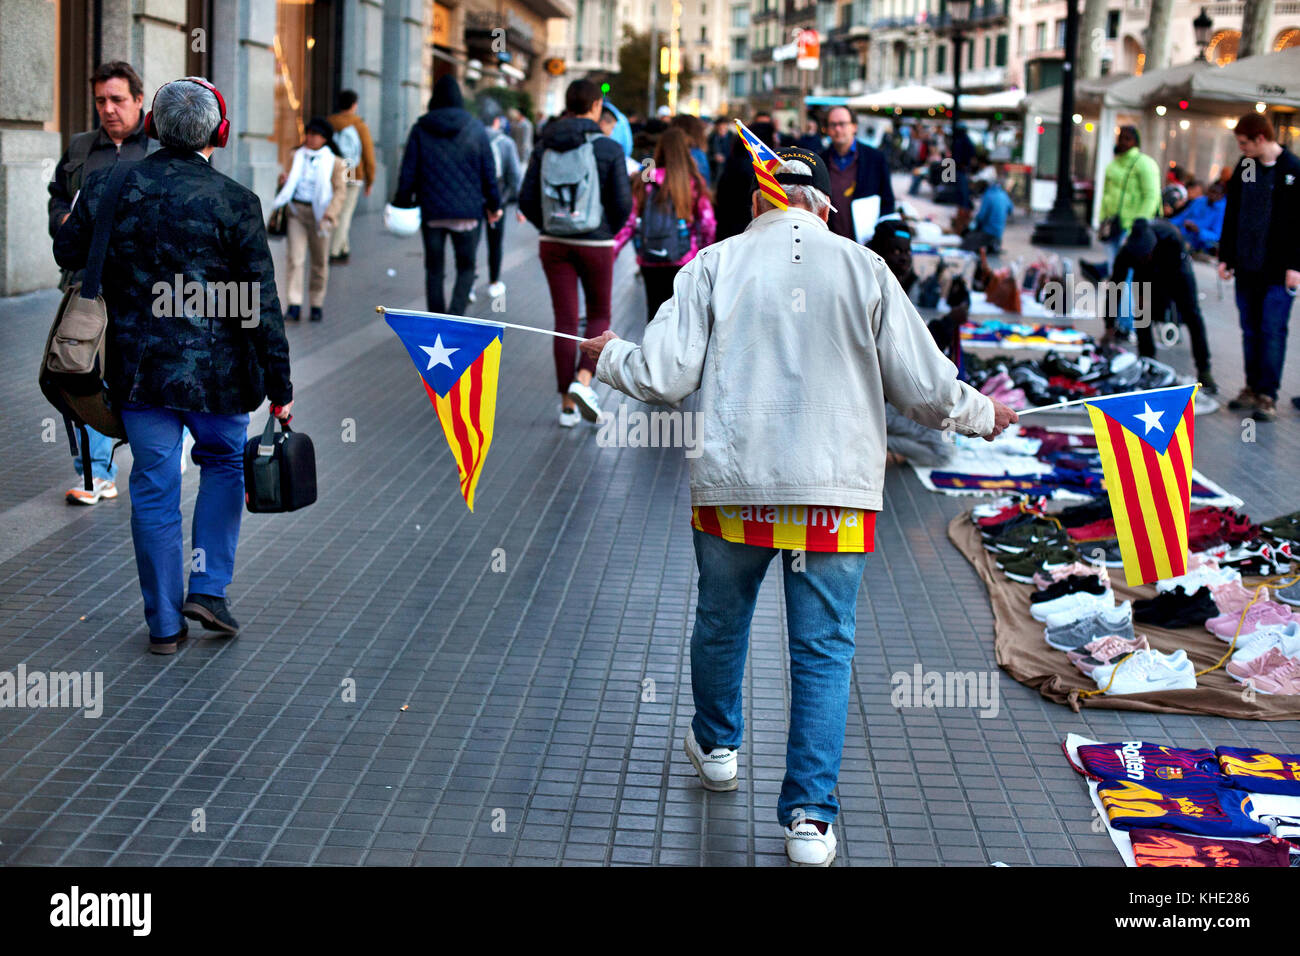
458, 363
1145, 442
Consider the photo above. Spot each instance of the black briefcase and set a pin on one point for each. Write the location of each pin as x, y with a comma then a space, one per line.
279, 470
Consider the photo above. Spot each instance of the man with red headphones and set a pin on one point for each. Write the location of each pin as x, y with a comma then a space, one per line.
199, 351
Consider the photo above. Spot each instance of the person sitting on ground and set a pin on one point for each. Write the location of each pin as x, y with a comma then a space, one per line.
990, 222
1202, 219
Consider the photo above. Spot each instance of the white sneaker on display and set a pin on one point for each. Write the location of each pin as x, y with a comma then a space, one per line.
717, 769
1284, 638
805, 845
1147, 672
1072, 606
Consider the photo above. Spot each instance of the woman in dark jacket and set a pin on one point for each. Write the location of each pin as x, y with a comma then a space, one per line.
449, 171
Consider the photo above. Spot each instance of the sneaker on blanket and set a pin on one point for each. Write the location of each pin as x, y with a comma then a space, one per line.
1106, 650
1145, 672
1106, 622
1045, 579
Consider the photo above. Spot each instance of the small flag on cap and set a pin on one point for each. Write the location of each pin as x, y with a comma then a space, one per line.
765, 161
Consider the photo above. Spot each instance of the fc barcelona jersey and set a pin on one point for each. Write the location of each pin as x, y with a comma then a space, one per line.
1199, 808
1138, 761
1164, 848
796, 527
1261, 772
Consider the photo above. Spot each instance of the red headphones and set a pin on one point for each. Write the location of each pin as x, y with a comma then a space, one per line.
219, 135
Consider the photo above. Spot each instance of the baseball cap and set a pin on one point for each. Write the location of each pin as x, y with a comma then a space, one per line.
819, 179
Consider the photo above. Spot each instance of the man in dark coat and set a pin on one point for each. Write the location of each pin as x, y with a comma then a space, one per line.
119, 101
196, 340
1156, 254
449, 171
857, 171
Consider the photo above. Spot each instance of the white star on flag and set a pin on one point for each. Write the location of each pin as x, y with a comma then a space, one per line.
441, 355
1151, 419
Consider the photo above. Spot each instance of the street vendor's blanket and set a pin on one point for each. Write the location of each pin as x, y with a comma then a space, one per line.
1021, 651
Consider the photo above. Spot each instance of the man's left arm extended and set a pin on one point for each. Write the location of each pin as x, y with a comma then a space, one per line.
669, 363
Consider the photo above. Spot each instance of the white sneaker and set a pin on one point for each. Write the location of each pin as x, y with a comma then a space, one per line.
1146, 672
1197, 578
569, 417
473, 296
585, 396
101, 488
805, 846
497, 289
717, 770
1286, 639
1072, 606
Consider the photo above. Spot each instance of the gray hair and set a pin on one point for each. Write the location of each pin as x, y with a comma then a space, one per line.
185, 114
806, 197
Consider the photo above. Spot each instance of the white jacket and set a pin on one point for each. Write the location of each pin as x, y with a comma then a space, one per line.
794, 338
324, 162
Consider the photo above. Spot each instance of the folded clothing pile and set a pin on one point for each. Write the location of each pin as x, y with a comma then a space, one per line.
1021, 335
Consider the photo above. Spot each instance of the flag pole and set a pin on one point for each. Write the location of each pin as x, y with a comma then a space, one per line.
1096, 398
463, 318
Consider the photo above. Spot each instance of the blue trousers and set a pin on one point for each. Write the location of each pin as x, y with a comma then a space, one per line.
155, 436
101, 447
821, 614
1265, 310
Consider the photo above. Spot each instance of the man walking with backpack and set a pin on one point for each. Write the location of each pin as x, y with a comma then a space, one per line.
448, 170
352, 136
577, 194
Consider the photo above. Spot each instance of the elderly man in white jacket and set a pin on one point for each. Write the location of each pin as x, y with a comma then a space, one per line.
794, 338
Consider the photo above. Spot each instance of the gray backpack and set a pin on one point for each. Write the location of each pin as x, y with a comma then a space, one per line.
571, 190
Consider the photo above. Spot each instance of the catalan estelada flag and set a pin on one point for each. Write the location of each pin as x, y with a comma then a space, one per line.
1145, 442
765, 161
459, 363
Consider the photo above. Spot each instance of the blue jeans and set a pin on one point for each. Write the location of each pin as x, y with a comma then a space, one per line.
155, 436
101, 448
1265, 310
821, 614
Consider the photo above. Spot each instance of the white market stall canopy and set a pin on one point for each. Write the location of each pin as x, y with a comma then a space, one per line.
1005, 101
1087, 97
1273, 78
914, 97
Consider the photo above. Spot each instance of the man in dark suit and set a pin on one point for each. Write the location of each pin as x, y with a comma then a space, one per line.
196, 340
857, 171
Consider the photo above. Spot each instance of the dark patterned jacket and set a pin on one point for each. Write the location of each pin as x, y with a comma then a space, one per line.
216, 345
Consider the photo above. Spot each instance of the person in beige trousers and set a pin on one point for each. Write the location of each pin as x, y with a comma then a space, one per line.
313, 191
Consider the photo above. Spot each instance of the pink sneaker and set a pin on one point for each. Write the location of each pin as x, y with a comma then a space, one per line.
1224, 626
1283, 679
1232, 598
1271, 659
1045, 579
1106, 650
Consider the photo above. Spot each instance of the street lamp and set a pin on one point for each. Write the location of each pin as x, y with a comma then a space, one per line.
959, 12
1203, 27
1062, 227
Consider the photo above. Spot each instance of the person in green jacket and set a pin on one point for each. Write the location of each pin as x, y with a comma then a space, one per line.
1131, 189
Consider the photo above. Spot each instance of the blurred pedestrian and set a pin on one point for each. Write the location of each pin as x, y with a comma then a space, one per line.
731, 201
671, 218
1201, 220
521, 131
1130, 190
203, 371
576, 193
352, 136
509, 174
811, 139
449, 170
719, 146
1260, 247
694, 129
314, 191
119, 101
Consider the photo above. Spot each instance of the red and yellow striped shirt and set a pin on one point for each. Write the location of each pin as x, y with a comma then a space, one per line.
796, 527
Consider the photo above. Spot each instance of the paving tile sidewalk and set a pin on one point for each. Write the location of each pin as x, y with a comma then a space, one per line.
546, 701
